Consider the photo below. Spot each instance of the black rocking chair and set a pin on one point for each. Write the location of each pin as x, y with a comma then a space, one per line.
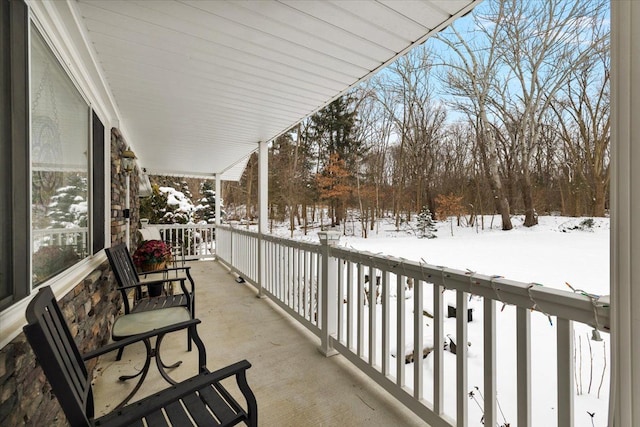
127, 277
200, 400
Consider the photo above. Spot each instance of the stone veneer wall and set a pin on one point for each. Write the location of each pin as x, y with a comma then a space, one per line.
25, 395
90, 309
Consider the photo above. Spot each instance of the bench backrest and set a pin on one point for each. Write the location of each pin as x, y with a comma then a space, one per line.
59, 357
150, 233
124, 269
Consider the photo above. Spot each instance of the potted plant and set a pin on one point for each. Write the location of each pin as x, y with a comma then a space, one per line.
152, 255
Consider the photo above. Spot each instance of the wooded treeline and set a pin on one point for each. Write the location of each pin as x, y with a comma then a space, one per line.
506, 112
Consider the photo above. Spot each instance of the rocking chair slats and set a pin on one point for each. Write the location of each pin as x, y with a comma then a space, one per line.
201, 400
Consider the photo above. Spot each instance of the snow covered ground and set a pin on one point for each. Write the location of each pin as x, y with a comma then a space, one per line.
558, 251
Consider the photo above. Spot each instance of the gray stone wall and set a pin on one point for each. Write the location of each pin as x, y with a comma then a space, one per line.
25, 395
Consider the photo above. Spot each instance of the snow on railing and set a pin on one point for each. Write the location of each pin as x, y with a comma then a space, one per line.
409, 300
196, 241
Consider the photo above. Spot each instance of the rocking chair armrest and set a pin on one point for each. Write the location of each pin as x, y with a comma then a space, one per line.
164, 270
152, 282
135, 338
134, 412
187, 272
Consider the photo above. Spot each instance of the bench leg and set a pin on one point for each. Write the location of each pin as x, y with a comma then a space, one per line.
142, 373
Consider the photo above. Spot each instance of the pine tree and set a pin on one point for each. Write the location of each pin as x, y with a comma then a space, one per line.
154, 207
426, 224
206, 210
68, 207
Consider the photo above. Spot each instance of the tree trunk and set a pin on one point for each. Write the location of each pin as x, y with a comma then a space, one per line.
488, 154
530, 217
599, 199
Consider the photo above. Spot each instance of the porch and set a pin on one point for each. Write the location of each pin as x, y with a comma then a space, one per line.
94, 56
294, 383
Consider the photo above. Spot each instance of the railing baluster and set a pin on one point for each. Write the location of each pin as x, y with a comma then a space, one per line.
418, 346
293, 279
565, 372
386, 332
523, 339
361, 302
340, 301
400, 326
438, 350
490, 416
461, 359
314, 287
350, 304
307, 284
372, 315
299, 281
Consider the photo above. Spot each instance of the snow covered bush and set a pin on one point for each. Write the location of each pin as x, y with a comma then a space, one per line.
426, 225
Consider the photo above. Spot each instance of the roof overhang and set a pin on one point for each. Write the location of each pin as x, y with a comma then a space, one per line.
198, 84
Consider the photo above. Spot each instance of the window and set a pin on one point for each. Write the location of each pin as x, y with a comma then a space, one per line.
14, 126
60, 123
52, 151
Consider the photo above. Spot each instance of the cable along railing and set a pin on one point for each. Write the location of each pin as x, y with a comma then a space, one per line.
407, 326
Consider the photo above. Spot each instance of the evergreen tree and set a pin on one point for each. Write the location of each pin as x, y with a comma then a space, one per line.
179, 209
68, 207
154, 207
206, 210
426, 224
334, 131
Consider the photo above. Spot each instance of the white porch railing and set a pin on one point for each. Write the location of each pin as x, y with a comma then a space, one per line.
74, 237
300, 277
197, 241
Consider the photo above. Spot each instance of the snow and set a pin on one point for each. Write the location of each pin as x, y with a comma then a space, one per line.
557, 252
177, 198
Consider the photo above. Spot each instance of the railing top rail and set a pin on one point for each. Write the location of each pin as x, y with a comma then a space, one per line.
167, 226
308, 246
554, 302
59, 230
580, 307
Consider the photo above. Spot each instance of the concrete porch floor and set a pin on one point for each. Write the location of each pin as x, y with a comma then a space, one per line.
294, 384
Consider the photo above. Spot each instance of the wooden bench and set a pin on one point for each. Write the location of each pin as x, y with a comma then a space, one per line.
200, 400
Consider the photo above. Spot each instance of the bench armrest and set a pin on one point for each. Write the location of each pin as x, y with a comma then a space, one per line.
135, 412
140, 337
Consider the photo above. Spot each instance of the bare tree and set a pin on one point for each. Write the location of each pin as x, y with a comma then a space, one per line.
540, 45
471, 75
583, 114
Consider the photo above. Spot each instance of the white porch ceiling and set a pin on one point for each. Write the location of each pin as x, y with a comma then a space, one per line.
199, 83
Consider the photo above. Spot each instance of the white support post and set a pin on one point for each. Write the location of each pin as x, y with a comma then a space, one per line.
217, 208
263, 212
328, 293
218, 198
624, 399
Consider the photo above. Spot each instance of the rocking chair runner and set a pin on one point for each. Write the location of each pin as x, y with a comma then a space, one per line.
127, 277
201, 400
